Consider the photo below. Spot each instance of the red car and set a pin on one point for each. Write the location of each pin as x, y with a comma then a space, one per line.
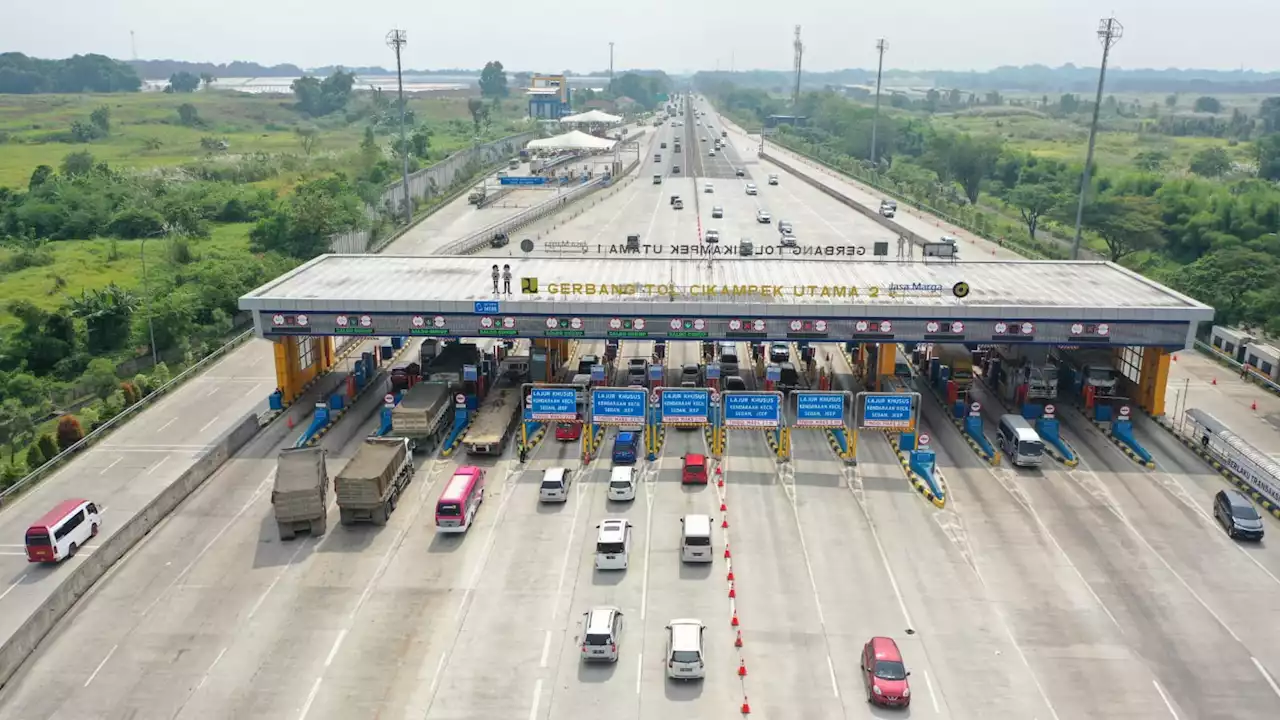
568, 431
885, 674
695, 469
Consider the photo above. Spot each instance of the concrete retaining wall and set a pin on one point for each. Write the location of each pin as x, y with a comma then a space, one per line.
24, 641
870, 213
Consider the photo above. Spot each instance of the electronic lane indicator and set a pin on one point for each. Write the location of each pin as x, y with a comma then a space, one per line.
820, 409
619, 406
754, 410
553, 404
688, 406
887, 411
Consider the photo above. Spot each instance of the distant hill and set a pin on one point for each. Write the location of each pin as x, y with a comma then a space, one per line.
1028, 78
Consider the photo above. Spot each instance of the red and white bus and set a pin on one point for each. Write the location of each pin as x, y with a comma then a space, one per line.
457, 506
62, 530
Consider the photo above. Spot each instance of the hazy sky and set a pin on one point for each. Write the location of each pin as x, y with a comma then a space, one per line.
674, 35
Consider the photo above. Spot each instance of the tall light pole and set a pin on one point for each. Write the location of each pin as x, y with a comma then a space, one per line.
396, 40
881, 46
1109, 32
146, 305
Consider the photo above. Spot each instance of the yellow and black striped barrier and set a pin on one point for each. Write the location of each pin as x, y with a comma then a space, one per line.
916, 481
1150, 465
1224, 471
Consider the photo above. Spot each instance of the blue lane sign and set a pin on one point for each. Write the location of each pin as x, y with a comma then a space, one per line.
713, 371
685, 405
773, 372
553, 404
815, 409
656, 372
597, 373
888, 410
486, 307
470, 373
522, 180
618, 406
751, 410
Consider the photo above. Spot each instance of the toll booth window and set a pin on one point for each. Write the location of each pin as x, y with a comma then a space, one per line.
306, 352
1129, 362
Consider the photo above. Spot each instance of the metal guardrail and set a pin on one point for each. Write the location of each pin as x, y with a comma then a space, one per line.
481, 238
127, 413
1216, 354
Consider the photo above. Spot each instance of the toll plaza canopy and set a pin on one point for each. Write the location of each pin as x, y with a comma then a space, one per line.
638, 297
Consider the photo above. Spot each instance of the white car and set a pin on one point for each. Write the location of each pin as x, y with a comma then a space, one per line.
708, 188
685, 657
555, 485
751, 189
763, 216
711, 153
622, 483
712, 236
789, 240
773, 179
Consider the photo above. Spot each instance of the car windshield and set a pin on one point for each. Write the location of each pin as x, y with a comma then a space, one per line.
552, 485
610, 548
620, 484
449, 510
889, 670
566, 426
695, 468
685, 656
1030, 448
598, 639
1245, 512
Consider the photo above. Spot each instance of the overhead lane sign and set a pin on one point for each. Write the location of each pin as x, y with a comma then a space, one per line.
752, 410
820, 409
618, 406
553, 404
685, 405
887, 411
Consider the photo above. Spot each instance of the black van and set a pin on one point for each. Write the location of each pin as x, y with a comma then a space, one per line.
1237, 515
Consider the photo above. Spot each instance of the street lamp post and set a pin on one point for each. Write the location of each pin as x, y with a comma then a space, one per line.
146, 304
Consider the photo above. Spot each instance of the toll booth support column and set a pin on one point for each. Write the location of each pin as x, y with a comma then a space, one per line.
1153, 379
290, 353
886, 355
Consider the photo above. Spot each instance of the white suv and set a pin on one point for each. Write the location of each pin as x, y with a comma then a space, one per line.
751, 189
622, 483
685, 656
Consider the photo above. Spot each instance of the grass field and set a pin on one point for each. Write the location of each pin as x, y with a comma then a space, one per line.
145, 131
80, 265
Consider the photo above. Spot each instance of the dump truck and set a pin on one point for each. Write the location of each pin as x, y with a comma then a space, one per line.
421, 413
1094, 367
1029, 365
300, 495
960, 360
494, 422
477, 194
370, 485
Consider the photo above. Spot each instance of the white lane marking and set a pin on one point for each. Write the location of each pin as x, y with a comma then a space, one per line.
212, 665
206, 425
639, 670
337, 643
884, 557
537, 697
1266, 675
98, 669
1167, 703
153, 468
166, 425
289, 563
831, 668
648, 544
234, 518
216, 387
546, 650
104, 470
311, 697
928, 685
569, 542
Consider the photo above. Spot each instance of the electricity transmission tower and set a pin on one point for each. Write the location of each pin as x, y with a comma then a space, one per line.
1109, 32
795, 94
881, 46
396, 40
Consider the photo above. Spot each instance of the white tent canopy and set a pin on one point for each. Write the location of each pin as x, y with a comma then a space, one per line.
572, 140
591, 116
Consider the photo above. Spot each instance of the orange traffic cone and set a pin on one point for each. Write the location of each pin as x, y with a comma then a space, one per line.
725, 523
726, 552
734, 621
732, 593
290, 422
722, 507
1254, 406
730, 576
718, 470
1213, 381
738, 642
720, 482
746, 707
742, 668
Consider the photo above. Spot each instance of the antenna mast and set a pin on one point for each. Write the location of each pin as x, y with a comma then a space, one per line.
799, 48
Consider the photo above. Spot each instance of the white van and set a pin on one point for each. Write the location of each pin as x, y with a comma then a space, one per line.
685, 657
1020, 442
582, 382
555, 485
695, 538
728, 359
613, 544
622, 483
602, 629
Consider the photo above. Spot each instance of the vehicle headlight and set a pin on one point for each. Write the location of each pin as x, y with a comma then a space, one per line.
906, 692
876, 689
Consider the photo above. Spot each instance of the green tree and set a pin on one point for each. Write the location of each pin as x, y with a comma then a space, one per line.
318, 97
1151, 160
188, 115
420, 142
16, 424
1267, 151
207, 79
90, 73
1034, 201
1171, 101
1210, 162
1206, 104
45, 339
303, 223
1225, 278
1126, 223
77, 163
184, 82
35, 458
477, 108
48, 446
493, 81
1269, 115
39, 176
307, 138
101, 118
106, 313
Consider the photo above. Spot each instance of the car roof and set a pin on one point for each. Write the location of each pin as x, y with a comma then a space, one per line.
695, 458
599, 619
885, 649
622, 471
1237, 498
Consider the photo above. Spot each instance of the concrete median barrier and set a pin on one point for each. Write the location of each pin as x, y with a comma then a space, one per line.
19, 646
